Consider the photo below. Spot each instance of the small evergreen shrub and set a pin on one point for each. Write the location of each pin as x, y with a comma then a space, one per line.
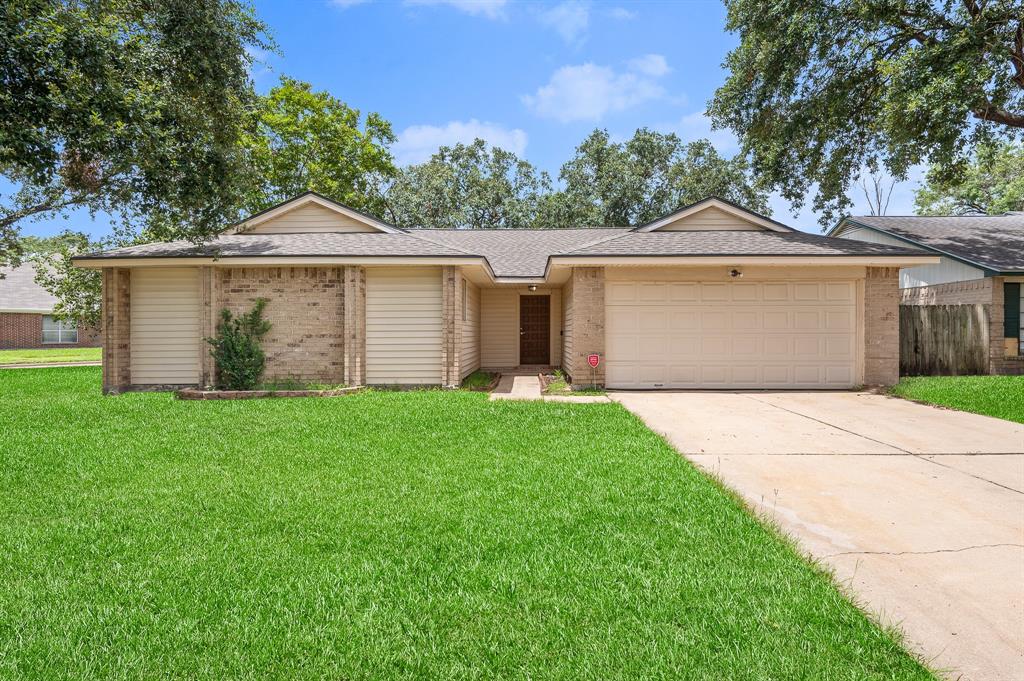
236, 348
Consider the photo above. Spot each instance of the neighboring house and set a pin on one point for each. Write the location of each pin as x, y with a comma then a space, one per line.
711, 296
26, 315
981, 261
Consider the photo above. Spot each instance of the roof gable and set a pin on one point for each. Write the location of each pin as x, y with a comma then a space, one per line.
711, 215
311, 212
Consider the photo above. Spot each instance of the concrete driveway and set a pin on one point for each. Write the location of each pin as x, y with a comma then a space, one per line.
918, 510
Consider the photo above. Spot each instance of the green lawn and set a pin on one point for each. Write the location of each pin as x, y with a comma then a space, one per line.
389, 535
999, 396
50, 355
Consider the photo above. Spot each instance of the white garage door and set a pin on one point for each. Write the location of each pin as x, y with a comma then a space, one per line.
165, 326
775, 334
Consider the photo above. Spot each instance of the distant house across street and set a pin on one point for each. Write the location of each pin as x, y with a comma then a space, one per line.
26, 315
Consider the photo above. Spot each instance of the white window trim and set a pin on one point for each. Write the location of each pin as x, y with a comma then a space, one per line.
66, 333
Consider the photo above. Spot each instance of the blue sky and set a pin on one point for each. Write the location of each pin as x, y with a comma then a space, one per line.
532, 77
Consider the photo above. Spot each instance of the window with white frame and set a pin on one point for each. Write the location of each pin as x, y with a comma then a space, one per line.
56, 331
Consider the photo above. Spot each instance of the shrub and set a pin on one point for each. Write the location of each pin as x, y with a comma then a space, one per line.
236, 348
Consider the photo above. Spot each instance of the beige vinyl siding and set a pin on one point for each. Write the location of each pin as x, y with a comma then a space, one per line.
165, 336
310, 218
469, 355
567, 327
403, 325
710, 219
946, 271
499, 327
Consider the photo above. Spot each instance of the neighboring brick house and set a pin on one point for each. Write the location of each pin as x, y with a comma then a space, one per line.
711, 296
26, 315
981, 261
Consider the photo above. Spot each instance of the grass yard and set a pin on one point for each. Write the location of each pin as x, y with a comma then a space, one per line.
419, 534
50, 355
999, 396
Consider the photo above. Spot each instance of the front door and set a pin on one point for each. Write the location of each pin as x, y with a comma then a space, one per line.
535, 329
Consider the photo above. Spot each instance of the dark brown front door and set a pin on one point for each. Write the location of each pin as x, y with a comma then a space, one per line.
535, 329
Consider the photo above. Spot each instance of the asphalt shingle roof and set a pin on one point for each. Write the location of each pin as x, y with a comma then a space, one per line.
995, 242
300, 245
518, 252
19, 291
724, 243
512, 252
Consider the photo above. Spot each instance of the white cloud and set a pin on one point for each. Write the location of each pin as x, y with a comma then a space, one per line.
621, 13
650, 64
570, 19
418, 142
587, 92
697, 126
345, 4
490, 9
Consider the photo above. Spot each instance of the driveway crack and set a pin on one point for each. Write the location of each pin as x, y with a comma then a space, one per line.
921, 457
921, 553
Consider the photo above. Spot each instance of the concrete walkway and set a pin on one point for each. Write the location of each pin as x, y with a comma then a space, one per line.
918, 510
527, 387
50, 365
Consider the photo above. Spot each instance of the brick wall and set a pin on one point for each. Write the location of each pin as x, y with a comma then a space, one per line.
306, 308
585, 297
881, 326
116, 322
451, 327
22, 331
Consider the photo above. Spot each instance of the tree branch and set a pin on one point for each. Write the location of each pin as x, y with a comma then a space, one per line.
45, 207
997, 114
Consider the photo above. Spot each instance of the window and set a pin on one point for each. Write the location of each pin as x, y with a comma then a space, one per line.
55, 331
465, 302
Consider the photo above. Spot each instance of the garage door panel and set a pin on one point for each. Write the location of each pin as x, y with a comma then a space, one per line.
654, 319
620, 292
684, 320
684, 293
732, 335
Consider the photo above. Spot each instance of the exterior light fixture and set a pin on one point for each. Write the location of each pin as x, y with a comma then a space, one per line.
532, 287
735, 274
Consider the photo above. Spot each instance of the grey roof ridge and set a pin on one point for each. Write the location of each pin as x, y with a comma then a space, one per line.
606, 238
918, 244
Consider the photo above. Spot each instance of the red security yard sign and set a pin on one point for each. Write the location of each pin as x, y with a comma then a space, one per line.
593, 360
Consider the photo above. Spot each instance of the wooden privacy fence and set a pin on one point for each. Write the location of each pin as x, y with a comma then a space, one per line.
943, 340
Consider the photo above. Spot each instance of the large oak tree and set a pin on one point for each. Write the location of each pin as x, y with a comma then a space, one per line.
820, 90
134, 107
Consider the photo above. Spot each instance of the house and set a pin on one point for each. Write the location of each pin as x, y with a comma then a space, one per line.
711, 296
26, 315
981, 261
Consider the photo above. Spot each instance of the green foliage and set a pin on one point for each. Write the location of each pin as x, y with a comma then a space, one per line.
78, 291
134, 107
999, 396
478, 379
236, 348
819, 90
606, 184
394, 535
468, 186
992, 182
650, 175
305, 140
